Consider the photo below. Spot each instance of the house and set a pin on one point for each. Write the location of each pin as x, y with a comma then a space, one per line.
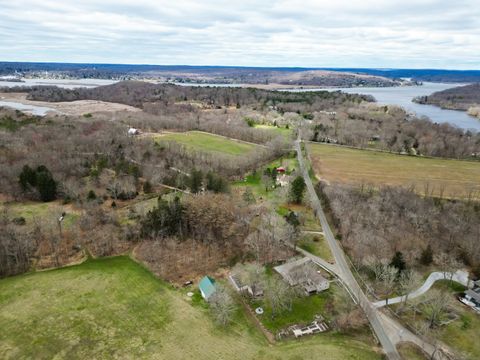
252, 290
132, 131
283, 180
471, 297
207, 287
303, 273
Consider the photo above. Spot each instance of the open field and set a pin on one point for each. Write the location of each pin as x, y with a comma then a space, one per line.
201, 141
114, 308
42, 211
79, 107
286, 133
427, 175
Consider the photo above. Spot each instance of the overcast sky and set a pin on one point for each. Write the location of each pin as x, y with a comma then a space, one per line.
307, 33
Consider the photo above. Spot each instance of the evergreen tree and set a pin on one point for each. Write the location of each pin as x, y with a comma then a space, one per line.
297, 189
46, 186
147, 187
398, 261
27, 178
195, 181
427, 256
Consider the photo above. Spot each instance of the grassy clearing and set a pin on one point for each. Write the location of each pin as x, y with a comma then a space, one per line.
44, 211
114, 308
352, 166
317, 245
200, 141
286, 133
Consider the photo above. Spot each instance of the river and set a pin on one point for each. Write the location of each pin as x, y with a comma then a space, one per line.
403, 95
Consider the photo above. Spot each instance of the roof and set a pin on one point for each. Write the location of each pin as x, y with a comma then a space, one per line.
300, 271
475, 294
207, 286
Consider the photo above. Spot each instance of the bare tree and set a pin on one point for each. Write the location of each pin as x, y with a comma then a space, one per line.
222, 306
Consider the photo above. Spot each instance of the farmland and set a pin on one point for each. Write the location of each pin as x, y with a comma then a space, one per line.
114, 308
200, 141
430, 176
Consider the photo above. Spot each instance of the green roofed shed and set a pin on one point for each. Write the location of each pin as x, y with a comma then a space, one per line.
207, 287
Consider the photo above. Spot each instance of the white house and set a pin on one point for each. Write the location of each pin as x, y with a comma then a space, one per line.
132, 131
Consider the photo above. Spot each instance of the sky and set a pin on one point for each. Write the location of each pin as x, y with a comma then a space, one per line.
304, 33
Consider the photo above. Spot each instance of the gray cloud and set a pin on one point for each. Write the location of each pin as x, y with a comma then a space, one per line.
312, 33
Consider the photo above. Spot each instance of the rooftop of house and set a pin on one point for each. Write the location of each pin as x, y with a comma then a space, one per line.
301, 271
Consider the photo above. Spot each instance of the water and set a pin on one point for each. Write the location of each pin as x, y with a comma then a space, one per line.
33, 109
63, 83
403, 95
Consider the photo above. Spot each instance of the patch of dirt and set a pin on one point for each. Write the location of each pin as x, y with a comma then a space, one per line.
79, 107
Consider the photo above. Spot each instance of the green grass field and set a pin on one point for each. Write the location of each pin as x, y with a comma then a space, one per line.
286, 133
114, 308
208, 142
352, 166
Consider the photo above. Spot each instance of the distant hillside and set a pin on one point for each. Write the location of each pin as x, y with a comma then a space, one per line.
139, 93
430, 75
466, 98
227, 74
198, 74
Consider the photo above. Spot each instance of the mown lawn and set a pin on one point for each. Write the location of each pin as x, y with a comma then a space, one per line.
345, 165
208, 142
114, 308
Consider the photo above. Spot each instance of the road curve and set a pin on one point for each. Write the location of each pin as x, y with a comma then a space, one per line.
459, 276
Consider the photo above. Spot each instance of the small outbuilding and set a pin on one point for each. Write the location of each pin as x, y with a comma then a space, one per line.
281, 170
207, 287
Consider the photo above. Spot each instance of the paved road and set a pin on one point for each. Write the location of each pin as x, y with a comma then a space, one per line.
344, 271
388, 331
459, 276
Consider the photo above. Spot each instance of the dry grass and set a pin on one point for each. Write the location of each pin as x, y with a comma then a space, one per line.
429, 176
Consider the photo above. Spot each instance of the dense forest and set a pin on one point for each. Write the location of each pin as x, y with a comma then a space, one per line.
377, 223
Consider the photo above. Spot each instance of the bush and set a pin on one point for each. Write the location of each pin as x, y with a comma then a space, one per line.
91, 195
147, 187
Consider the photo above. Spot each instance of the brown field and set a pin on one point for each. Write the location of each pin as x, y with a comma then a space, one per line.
79, 107
430, 176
